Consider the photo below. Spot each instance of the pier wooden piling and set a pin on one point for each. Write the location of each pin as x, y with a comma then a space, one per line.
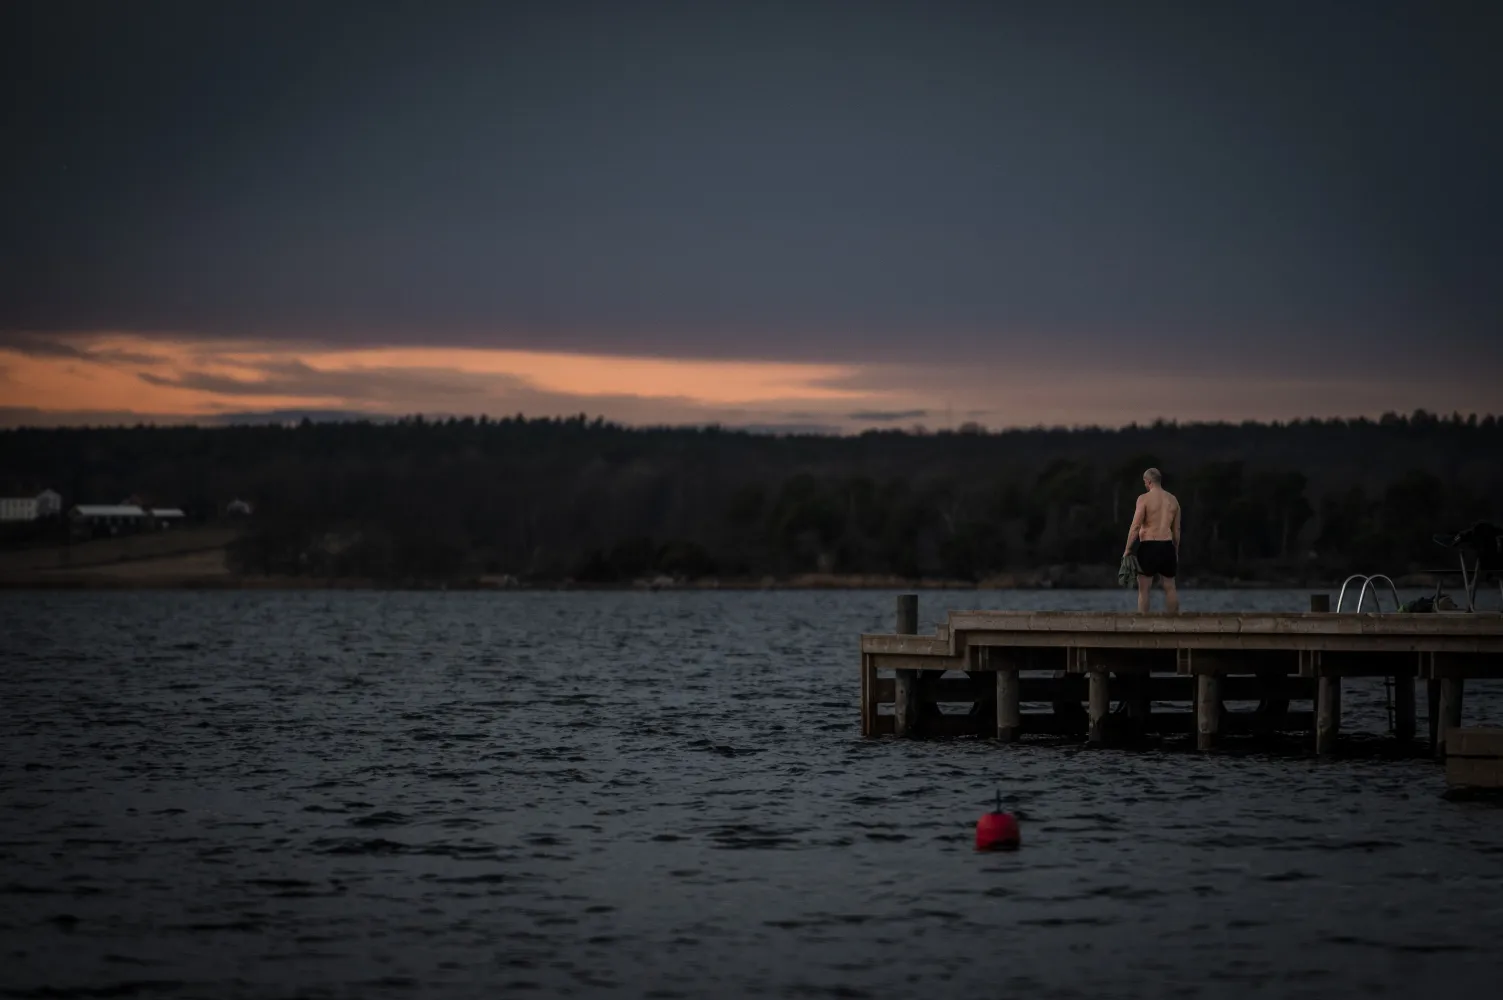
1450, 710
1008, 675
1432, 709
1009, 703
1207, 711
1327, 713
1101, 707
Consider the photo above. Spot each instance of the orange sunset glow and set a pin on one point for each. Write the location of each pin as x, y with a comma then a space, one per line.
105, 378
133, 374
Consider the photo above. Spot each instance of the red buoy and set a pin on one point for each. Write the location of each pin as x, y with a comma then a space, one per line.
997, 830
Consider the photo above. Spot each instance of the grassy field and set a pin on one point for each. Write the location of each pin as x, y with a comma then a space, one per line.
190, 551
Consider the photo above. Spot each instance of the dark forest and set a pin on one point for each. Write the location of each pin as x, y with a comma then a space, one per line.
550, 500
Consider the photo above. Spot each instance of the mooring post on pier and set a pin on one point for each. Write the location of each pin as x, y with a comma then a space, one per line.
1009, 702
907, 614
1327, 712
1101, 707
1207, 711
1327, 690
905, 687
1450, 711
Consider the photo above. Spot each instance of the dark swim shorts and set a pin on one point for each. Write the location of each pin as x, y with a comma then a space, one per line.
1157, 559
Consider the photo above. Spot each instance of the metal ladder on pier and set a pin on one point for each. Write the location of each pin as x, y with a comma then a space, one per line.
1370, 584
1368, 581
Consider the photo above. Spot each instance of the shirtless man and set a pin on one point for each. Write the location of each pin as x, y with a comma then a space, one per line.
1155, 529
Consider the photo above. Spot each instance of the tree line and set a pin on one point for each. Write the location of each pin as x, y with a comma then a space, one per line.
577, 499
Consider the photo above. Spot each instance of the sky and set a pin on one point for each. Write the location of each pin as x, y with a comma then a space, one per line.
795, 216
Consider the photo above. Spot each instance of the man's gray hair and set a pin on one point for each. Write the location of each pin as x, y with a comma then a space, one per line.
1153, 476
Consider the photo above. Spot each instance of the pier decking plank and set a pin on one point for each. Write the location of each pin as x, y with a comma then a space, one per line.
1416, 633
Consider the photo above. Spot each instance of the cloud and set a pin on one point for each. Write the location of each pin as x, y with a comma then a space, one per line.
226, 383
75, 346
296, 378
126, 357
39, 346
881, 416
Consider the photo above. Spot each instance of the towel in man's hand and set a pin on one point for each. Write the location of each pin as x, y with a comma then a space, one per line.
1127, 573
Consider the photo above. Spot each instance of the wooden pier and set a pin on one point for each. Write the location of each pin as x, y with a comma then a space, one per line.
1166, 673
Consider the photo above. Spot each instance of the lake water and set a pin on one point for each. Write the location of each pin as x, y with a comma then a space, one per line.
666, 795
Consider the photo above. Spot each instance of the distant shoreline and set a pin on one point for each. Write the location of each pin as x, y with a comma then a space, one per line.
197, 558
99, 581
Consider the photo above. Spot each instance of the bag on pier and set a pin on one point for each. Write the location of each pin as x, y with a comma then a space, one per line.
1422, 605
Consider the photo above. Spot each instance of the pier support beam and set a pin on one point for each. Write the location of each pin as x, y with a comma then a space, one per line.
1327, 713
1101, 705
1403, 707
868, 695
1207, 711
1432, 711
905, 688
905, 703
1450, 711
1009, 705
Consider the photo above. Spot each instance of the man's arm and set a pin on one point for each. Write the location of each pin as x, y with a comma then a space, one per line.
1137, 525
1176, 527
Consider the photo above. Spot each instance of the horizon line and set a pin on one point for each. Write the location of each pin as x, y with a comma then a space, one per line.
282, 419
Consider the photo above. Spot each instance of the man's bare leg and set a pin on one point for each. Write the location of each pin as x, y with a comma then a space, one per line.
1171, 597
1145, 584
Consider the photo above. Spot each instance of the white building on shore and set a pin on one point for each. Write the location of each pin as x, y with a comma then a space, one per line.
110, 518
118, 518
47, 503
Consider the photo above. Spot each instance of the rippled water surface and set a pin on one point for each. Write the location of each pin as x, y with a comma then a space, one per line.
666, 794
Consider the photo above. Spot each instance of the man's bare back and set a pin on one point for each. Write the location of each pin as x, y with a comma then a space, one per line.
1158, 516
1155, 532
